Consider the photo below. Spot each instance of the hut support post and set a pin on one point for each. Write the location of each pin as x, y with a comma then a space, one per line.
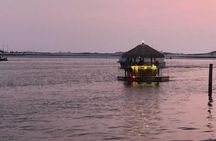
210, 83
151, 61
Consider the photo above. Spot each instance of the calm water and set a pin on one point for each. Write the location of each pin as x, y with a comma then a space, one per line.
51, 99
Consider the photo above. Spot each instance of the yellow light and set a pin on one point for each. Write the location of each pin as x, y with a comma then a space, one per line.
136, 68
154, 67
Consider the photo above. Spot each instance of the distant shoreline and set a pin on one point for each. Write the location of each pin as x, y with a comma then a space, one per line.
98, 57
59, 55
103, 55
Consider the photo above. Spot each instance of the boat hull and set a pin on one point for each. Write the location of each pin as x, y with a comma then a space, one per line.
3, 59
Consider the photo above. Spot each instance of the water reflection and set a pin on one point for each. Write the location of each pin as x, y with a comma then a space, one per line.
141, 84
142, 111
210, 118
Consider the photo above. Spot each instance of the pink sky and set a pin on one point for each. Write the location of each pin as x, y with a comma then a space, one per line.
108, 25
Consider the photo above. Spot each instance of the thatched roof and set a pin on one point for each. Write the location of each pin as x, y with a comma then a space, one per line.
1, 51
143, 51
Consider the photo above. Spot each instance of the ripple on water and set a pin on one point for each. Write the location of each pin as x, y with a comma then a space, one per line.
188, 128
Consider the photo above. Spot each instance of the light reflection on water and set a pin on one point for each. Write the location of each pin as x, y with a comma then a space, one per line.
81, 99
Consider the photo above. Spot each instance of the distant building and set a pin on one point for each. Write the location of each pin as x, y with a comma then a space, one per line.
213, 53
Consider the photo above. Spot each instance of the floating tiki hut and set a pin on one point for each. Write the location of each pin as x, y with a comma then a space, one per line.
142, 64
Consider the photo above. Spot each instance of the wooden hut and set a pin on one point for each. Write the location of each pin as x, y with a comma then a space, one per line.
143, 63
142, 54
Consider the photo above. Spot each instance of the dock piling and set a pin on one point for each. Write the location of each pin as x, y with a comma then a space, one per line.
210, 83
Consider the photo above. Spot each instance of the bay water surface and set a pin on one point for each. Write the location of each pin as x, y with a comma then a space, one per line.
80, 99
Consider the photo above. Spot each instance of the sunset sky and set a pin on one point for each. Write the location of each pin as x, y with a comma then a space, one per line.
185, 26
